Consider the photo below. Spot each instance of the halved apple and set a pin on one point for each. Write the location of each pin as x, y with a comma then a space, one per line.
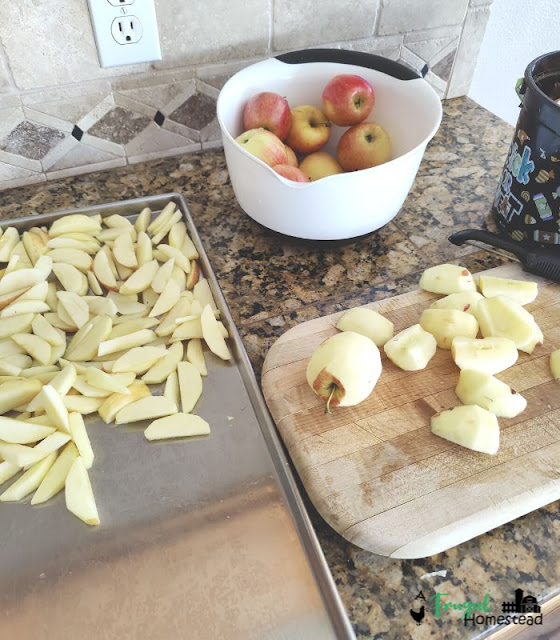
470, 426
411, 349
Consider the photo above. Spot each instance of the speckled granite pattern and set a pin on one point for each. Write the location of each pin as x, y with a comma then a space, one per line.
273, 283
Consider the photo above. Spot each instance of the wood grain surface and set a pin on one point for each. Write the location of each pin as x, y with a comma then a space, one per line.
377, 474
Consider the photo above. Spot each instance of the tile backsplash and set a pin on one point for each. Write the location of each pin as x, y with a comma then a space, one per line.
62, 114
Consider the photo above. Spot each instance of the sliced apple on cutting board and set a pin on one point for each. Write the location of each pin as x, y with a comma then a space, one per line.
411, 349
367, 322
522, 291
447, 278
469, 426
446, 324
478, 387
490, 355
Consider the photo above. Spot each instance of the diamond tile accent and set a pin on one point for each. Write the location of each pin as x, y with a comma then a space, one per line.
159, 118
196, 113
31, 140
444, 66
120, 125
77, 133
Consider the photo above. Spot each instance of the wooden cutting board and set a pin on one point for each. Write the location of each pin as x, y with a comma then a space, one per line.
377, 474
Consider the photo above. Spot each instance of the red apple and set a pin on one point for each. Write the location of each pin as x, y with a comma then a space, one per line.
269, 111
348, 99
320, 165
292, 158
291, 173
263, 145
363, 146
311, 129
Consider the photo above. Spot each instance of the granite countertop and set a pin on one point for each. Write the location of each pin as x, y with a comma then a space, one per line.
272, 283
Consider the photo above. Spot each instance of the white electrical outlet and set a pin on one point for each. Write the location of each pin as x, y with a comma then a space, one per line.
125, 31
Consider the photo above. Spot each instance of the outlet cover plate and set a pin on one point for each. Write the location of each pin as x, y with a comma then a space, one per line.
106, 14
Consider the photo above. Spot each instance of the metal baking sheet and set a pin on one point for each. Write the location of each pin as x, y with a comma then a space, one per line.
202, 538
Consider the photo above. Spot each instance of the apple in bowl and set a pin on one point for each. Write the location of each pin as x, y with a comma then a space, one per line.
311, 129
264, 145
270, 111
363, 146
348, 99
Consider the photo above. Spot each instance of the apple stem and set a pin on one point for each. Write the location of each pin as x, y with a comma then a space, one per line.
328, 405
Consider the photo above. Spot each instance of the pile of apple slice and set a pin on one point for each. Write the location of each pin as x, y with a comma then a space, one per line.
452, 322
93, 311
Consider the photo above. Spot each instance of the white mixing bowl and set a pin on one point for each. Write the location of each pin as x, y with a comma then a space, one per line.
344, 205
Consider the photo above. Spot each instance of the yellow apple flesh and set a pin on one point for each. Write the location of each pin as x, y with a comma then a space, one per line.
469, 426
367, 322
446, 279
411, 349
478, 387
446, 324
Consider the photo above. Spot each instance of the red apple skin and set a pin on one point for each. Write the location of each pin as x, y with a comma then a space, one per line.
291, 157
363, 146
310, 131
291, 173
348, 99
270, 111
263, 145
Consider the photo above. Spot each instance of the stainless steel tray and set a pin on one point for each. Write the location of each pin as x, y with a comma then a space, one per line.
206, 538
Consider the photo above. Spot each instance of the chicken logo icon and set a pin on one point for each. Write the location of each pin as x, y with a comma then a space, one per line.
418, 616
